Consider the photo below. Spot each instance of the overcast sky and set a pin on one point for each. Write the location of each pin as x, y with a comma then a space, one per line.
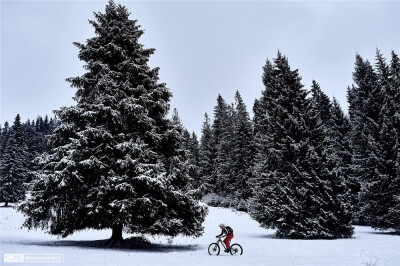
202, 48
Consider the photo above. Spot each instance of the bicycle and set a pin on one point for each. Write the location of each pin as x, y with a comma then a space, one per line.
214, 249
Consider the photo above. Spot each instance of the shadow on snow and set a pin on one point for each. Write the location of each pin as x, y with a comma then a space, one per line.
127, 245
390, 233
268, 236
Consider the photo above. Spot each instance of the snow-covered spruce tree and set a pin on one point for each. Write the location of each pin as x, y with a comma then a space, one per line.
379, 193
394, 71
322, 103
365, 101
13, 167
269, 182
186, 144
1, 140
279, 125
30, 143
327, 170
242, 152
222, 129
5, 133
206, 160
42, 128
115, 161
292, 187
340, 152
193, 146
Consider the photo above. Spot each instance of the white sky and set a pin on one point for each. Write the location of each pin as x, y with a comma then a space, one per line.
202, 48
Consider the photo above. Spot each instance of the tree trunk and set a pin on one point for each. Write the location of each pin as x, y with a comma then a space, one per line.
6, 204
117, 232
116, 237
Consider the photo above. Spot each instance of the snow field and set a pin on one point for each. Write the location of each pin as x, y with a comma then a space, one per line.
367, 247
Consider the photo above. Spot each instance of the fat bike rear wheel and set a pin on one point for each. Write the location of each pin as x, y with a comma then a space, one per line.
236, 250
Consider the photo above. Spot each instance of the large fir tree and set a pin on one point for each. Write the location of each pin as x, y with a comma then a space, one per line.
115, 161
365, 101
206, 160
339, 149
380, 188
293, 189
242, 152
5, 133
189, 144
222, 129
328, 170
394, 210
193, 146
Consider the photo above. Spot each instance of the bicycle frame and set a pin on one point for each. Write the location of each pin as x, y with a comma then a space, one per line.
222, 242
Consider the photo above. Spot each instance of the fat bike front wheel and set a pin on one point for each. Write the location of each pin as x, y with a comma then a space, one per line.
213, 249
236, 250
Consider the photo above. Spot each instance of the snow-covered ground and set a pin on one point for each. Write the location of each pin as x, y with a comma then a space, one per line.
367, 247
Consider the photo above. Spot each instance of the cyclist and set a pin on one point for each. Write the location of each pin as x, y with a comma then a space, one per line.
228, 232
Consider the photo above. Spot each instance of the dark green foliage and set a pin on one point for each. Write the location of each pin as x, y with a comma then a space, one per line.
294, 191
14, 164
116, 158
242, 152
375, 131
5, 133
328, 138
206, 162
190, 145
364, 104
222, 129
226, 154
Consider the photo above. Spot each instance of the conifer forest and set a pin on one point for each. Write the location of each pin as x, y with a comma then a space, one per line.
121, 159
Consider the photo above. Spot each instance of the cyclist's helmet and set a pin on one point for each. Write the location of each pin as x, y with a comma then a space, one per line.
221, 225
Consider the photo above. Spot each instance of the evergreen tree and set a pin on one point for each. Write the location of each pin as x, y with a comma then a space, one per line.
322, 103
242, 151
327, 167
116, 160
340, 152
292, 185
1, 140
5, 133
40, 141
189, 147
14, 166
29, 132
379, 191
221, 136
394, 73
193, 147
206, 160
279, 130
364, 107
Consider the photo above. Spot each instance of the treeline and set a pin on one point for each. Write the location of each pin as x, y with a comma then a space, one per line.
221, 163
20, 143
301, 165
